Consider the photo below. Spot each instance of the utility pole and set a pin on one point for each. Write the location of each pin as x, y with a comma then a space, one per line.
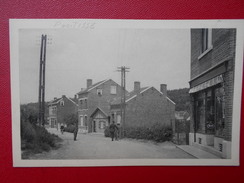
41, 98
123, 71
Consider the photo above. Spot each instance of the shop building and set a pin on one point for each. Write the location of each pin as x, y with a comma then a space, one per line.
211, 89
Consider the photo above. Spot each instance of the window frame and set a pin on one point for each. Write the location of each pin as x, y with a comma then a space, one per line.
113, 89
206, 42
99, 92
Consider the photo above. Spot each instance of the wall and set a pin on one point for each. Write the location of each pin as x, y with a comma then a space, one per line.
63, 111
149, 108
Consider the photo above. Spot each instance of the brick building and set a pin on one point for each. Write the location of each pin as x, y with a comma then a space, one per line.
59, 109
211, 89
145, 107
94, 104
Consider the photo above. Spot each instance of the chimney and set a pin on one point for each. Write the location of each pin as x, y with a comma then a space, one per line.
55, 98
63, 96
75, 96
163, 89
88, 83
137, 86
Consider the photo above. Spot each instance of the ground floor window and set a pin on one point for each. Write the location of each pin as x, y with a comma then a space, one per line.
209, 110
102, 124
81, 121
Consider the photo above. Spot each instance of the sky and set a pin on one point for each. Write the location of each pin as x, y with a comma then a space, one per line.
154, 56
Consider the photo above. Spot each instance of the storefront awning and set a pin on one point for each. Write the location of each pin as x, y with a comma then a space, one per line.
214, 81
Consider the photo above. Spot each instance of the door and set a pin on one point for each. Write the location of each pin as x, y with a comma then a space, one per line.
94, 126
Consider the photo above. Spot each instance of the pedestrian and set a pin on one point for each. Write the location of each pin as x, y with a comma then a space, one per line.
113, 130
62, 128
75, 131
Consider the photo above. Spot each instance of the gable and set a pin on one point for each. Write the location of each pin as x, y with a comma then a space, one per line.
99, 113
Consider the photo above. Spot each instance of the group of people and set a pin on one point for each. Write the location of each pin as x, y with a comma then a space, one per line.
113, 129
62, 129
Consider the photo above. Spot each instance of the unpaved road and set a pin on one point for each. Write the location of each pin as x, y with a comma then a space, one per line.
96, 146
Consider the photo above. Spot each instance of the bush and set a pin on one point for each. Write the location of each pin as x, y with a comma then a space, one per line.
69, 128
35, 139
28, 132
106, 131
157, 132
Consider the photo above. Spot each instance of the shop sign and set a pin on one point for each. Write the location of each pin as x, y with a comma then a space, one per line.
214, 81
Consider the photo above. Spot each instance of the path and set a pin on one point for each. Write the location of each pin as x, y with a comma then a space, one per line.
96, 146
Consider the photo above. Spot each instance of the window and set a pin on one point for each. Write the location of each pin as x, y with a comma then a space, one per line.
52, 110
118, 119
204, 39
99, 92
219, 113
83, 103
85, 122
113, 90
209, 115
81, 121
206, 42
62, 103
102, 124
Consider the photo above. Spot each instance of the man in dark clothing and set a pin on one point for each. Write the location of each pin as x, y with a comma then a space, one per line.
75, 131
113, 130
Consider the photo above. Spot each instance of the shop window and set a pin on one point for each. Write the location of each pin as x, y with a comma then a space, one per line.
200, 112
210, 124
219, 111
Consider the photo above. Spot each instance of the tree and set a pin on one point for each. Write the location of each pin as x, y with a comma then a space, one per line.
71, 119
181, 97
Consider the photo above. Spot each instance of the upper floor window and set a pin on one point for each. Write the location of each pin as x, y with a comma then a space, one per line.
83, 103
206, 42
62, 103
206, 39
113, 90
52, 110
99, 92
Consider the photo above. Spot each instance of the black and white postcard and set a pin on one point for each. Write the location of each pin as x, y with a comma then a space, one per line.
94, 92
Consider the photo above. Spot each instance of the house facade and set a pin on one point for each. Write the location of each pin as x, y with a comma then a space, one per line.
144, 107
94, 104
211, 89
59, 109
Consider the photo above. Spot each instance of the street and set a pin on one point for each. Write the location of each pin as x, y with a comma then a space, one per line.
96, 146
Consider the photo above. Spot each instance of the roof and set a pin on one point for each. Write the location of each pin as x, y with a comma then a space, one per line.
74, 100
55, 101
93, 86
134, 94
99, 109
128, 97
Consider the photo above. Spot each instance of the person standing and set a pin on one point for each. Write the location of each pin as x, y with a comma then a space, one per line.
75, 131
113, 130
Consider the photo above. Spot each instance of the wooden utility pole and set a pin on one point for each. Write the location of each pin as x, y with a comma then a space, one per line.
41, 101
123, 70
